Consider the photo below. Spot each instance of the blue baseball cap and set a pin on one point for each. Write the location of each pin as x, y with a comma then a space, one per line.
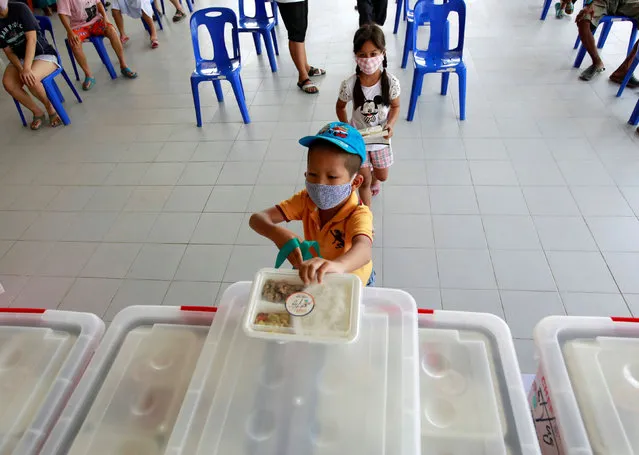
341, 134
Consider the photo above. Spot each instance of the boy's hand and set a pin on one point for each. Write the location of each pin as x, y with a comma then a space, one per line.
313, 270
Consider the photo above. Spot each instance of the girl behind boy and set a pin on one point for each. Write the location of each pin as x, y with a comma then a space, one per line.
375, 96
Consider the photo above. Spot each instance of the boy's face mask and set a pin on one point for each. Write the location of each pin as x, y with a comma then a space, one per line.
326, 197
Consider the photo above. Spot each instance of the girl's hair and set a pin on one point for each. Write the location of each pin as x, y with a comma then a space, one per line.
374, 34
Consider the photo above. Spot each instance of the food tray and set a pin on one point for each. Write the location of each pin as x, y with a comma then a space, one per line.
43, 353
281, 307
585, 397
253, 396
472, 397
133, 389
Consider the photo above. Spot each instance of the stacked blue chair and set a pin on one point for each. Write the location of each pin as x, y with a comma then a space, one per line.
606, 22
51, 88
222, 66
438, 58
98, 43
402, 8
261, 25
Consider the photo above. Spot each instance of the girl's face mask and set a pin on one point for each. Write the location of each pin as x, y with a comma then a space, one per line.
326, 197
371, 64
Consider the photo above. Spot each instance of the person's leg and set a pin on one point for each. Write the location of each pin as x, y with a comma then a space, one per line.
148, 20
365, 9
119, 23
13, 85
381, 161
112, 35
587, 21
618, 75
380, 8
78, 52
365, 189
42, 69
179, 12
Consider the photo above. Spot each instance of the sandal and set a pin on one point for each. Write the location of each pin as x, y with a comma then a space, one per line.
37, 122
307, 86
591, 72
154, 44
316, 72
88, 83
570, 8
179, 15
124, 39
54, 120
375, 189
633, 82
559, 12
128, 73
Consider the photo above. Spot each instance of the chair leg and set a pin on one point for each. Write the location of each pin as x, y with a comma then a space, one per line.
258, 43
407, 43
544, 11
75, 68
461, 73
634, 117
52, 90
98, 43
157, 15
445, 78
19, 108
633, 38
162, 5
406, 6
605, 31
189, 5
238, 89
577, 42
275, 12
581, 53
628, 75
398, 12
414, 94
270, 51
196, 101
71, 86
58, 92
274, 36
217, 86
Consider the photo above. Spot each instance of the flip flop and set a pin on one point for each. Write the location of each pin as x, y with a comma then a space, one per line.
559, 12
316, 72
154, 44
54, 120
128, 73
375, 189
308, 87
178, 16
633, 82
591, 72
37, 122
88, 83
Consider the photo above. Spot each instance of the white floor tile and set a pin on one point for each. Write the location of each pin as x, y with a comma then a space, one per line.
551, 201
456, 231
615, 233
12, 285
624, 268
526, 355
426, 298
111, 260
173, 227
157, 262
581, 304
581, 272
493, 173
478, 301
601, 201
524, 309
188, 199
67, 259
136, 292
408, 173
453, 200
510, 232
631, 299
109, 198
92, 295
24, 258
409, 267
42, 292
559, 233
217, 228
246, 260
501, 200
522, 270
406, 199
131, 227
465, 269
204, 263
191, 293
447, 172
408, 231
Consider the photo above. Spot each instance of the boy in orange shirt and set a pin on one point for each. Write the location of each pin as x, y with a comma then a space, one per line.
329, 208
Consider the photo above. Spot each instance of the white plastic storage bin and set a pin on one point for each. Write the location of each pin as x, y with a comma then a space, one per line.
43, 353
251, 396
472, 397
585, 397
132, 391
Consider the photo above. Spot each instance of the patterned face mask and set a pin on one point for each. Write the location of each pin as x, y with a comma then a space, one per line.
370, 65
326, 197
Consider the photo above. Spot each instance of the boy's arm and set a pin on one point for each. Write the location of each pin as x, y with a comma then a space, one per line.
358, 256
340, 109
266, 223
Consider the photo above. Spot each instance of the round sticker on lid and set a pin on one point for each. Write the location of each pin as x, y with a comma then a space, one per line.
300, 303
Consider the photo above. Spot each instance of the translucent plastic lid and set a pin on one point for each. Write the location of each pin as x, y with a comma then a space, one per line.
282, 307
591, 368
472, 398
130, 396
42, 355
253, 396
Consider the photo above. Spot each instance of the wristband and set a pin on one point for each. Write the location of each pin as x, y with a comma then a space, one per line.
292, 245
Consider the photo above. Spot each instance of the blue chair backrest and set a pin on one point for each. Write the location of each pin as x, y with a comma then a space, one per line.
215, 20
260, 10
46, 26
438, 15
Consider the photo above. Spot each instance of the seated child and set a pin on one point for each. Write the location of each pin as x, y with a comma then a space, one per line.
329, 208
31, 59
135, 9
83, 19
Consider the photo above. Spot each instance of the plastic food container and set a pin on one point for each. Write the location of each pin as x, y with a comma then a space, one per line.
472, 397
585, 397
132, 391
253, 396
281, 307
42, 356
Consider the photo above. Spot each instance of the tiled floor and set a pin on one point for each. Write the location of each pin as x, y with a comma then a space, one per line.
526, 209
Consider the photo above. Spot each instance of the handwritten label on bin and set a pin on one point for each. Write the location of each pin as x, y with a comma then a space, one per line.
544, 417
300, 303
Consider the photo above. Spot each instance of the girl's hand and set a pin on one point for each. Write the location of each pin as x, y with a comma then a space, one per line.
28, 77
313, 270
73, 39
389, 132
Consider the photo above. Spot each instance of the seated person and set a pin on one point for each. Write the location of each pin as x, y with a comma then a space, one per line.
329, 208
587, 21
136, 10
31, 59
83, 19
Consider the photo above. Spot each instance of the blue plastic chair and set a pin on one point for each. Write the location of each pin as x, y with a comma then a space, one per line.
634, 117
223, 66
410, 40
156, 14
626, 79
606, 22
260, 25
402, 8
98, 43
50, 87
438, 58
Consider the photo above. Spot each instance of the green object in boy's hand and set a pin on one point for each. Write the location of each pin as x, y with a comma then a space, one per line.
291, 245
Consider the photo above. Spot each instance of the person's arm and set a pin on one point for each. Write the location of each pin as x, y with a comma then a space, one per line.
26, 74
66, 22
266, 223
13, 58
340, 109
357, 257
393, 115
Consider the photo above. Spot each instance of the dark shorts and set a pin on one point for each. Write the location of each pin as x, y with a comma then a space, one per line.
295, 17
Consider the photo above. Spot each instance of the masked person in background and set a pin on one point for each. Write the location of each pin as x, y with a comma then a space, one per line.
372, 11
